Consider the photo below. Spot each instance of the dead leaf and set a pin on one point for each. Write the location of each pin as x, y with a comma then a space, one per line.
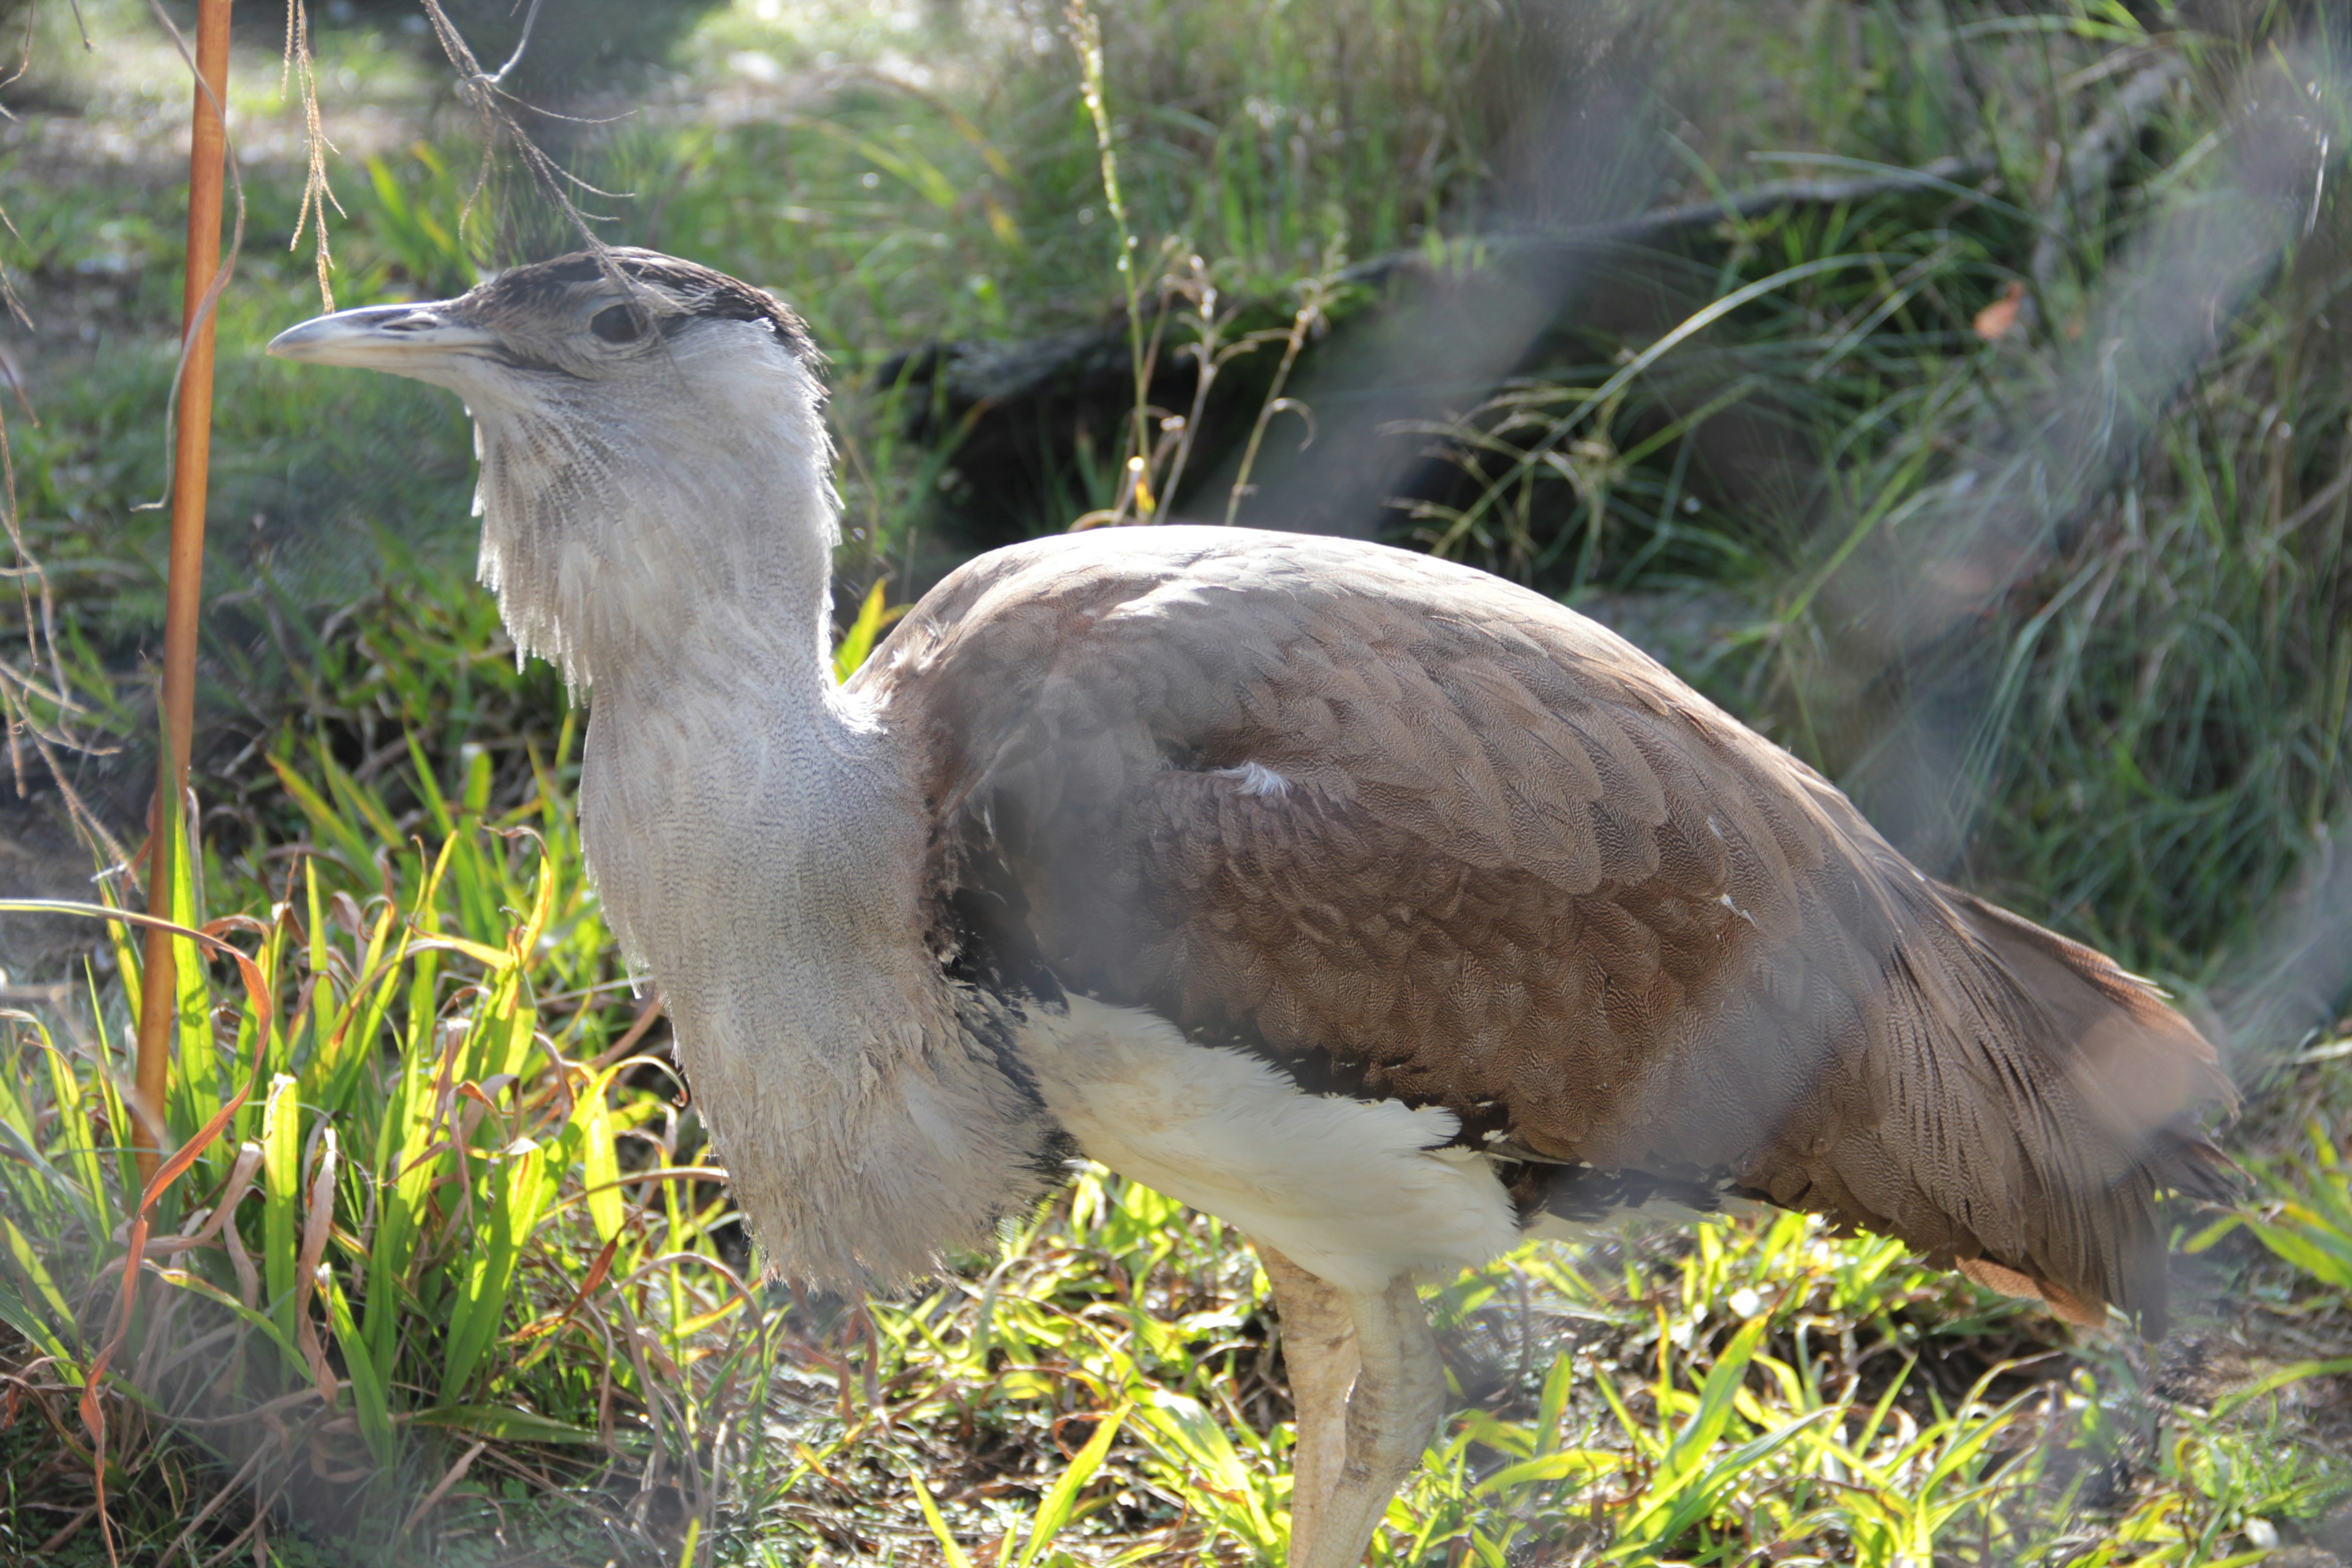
1997, 320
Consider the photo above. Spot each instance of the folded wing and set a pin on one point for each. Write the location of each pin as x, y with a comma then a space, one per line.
1415, 832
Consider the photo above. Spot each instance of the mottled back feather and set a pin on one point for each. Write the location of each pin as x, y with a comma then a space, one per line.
1419, 832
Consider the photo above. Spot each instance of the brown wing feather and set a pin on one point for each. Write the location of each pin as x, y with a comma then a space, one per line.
1516, 868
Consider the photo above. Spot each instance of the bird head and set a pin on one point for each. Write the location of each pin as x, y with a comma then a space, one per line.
652, 440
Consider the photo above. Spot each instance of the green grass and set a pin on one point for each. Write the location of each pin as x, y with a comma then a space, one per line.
458, 1218
423, 1145
445, 1119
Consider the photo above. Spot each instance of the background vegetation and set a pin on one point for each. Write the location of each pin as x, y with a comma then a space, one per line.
2015, 494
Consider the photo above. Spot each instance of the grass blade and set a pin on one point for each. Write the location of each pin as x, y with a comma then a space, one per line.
1054, 1509
955, 1554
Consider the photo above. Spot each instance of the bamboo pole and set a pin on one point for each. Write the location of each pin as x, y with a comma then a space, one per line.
191, 457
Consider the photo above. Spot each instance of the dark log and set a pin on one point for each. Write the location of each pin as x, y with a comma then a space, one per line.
1018, 408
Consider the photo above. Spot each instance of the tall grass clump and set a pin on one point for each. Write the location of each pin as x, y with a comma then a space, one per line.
434, 1205
2147, 725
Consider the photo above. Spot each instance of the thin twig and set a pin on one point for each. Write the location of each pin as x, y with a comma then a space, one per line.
1314, 296
1086, 37
180, 1544
481, 90
455, 1473
317, 195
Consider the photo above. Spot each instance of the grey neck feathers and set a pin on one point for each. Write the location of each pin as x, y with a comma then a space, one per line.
620, 557
757, 841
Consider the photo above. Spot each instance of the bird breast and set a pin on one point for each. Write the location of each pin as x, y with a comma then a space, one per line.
1355, 1192
759, 861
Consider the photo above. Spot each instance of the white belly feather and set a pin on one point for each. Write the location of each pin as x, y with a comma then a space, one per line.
1353, 1190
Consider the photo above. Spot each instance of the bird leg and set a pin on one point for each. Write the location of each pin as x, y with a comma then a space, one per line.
1392, 1415
1368, 1387
1318, 1354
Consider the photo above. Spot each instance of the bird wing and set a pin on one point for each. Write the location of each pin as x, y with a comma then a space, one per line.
1419, 832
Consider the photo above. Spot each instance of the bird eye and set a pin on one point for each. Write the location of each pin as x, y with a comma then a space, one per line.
617, 324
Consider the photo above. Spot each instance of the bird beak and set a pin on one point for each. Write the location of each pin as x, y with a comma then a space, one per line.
420, 340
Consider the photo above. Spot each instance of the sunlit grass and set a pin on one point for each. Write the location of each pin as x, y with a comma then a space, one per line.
1761, 1387
422, 1160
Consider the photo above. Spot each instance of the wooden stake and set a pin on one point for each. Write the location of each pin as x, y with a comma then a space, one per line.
159, 997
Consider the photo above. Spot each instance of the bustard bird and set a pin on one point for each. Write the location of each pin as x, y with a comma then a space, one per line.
1382, 907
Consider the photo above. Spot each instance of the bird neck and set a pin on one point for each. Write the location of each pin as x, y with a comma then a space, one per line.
759, 842
757, 851
650, 550
680, 569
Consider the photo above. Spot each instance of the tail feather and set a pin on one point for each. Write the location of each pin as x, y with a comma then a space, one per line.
2139, 1070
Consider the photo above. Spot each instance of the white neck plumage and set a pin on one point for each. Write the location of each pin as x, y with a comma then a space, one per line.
756, 836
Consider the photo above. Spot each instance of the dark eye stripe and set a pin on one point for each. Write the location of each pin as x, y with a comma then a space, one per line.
697, 293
